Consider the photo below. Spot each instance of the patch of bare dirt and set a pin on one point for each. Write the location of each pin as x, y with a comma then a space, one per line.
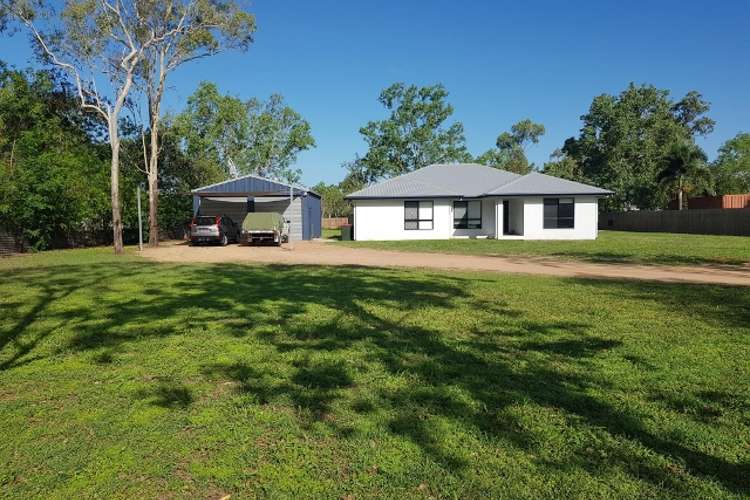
321, 253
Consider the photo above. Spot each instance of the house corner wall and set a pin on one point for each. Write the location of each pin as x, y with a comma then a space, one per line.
586, 219
384, 220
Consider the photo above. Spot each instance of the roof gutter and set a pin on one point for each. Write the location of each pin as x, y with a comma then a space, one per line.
460, 197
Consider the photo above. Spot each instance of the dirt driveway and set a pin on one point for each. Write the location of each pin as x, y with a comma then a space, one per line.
330, 254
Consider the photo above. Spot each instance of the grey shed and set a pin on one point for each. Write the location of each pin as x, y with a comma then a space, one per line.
250, 193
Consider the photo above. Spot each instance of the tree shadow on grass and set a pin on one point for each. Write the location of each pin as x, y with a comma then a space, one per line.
394, 321
313, 387
167, 394
605, 257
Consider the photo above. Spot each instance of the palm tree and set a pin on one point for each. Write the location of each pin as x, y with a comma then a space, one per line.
685, 171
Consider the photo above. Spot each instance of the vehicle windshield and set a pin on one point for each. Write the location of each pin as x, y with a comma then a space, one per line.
205, 221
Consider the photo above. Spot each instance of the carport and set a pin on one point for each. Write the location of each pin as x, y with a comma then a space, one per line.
250, 193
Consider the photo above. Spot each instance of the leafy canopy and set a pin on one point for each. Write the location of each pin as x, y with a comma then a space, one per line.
414, 135
213, 127
259, 137
53, 184
510, 153
55, 190
277, 134
625, 138
564, 166
685, 172
334, 204
732, 166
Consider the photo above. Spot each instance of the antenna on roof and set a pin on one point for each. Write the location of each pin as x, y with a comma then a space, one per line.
234, 172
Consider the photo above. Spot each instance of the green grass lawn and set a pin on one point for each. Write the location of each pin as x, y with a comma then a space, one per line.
125, 378
610, 247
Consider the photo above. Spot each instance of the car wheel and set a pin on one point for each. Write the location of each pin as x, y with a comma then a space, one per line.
224, 240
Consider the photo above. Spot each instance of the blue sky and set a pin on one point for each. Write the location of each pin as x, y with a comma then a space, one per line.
500, 61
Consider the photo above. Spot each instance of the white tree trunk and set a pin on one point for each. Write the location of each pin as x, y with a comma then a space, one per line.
154, 109
153, 188
114, 142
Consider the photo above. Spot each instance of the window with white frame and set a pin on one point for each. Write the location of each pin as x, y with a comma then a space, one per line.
467, 214
418, 215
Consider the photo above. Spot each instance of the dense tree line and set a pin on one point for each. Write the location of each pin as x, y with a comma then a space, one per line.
640, 144
53, 184
54, 158
117, 56
626, 141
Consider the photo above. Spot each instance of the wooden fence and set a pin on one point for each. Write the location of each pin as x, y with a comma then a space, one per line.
334, 222
709, 221
722, 201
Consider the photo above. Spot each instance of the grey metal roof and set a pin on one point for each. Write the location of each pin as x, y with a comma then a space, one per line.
459, 179
251, 185
471, 180
535, 183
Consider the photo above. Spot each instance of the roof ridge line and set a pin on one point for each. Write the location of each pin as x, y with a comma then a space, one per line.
520, 176
301, 187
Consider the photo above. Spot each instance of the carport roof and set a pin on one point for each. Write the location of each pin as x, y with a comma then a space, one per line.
252, 185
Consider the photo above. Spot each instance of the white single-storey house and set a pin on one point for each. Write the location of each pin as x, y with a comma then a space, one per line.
468, 200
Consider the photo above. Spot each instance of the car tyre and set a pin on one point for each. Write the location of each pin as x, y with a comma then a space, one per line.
224, 240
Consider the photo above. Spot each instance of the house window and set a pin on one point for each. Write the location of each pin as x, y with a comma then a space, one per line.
467, 214
559, 213
418, 215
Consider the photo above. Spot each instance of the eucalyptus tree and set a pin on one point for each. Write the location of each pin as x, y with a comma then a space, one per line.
259, 137
277, 134
333, 202
187, 30
100, 44
624, 139
415, 133
510, 153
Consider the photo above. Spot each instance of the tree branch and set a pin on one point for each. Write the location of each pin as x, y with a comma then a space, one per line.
67, 66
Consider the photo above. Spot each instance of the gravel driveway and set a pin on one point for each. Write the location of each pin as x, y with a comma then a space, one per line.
331, 254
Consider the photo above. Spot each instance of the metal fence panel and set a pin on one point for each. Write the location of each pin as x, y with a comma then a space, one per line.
707, 221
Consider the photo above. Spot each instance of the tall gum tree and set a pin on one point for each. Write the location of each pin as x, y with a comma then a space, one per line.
510, 151
94, 41
186, 31
414, 135
258, 137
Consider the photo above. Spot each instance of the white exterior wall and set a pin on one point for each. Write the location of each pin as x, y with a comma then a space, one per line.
586, 220
384, 220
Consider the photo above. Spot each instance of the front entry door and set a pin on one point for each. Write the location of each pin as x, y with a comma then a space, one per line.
506, 217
